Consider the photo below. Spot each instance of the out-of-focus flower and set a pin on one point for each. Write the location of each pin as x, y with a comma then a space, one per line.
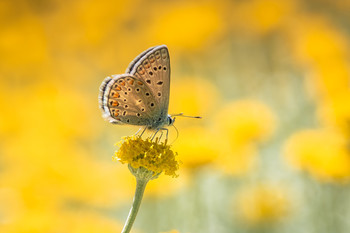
262, 204
172, 231
323, 153
246, 121
196, 146
193, 96
152, 155
336, 112
62, 221
240, 126
187, 26
23, 44
323, 50
236, 159
261, 16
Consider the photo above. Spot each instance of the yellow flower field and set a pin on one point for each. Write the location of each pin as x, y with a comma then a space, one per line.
270, 79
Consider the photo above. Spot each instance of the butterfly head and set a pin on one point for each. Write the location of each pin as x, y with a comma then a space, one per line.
170, 120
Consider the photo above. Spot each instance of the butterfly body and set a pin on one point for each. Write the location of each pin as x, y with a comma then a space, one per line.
141, 95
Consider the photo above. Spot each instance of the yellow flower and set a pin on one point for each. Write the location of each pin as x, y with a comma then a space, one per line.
262, 16
187, 26
196, 147
236, 159
240, 125
323, 153
262, 204
336, 112
246, 121
172, 231
322, 48
152, 155
200, 97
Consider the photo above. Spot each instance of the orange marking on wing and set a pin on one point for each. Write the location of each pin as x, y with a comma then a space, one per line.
141, 71
131, 82
115, 103
115, 94
140, 83
122, 83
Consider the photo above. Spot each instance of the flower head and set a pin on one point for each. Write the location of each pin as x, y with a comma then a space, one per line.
154, 156
323, 153
263, 203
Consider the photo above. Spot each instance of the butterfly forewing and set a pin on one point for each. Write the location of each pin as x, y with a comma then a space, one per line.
154, 69
132, 64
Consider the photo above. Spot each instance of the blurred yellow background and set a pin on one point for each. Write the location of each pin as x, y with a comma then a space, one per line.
270, 78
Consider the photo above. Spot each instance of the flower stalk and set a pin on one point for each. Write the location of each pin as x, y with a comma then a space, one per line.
142, 176
140, 188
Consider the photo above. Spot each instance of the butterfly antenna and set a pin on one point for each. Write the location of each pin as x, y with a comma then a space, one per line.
177, 134
182, 114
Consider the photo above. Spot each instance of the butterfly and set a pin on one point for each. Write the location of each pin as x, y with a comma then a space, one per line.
141, 95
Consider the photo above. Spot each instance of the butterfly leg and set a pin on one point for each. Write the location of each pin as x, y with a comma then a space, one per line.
141, 132
154, 135
138, 131
161, 135
167, 133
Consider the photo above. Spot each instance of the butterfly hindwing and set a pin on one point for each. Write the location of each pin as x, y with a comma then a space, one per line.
126, 100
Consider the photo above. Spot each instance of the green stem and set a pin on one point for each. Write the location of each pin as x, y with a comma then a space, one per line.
140, 188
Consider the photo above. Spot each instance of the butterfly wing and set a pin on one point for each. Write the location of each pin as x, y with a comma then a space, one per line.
141, 96
153, 68
125, 99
